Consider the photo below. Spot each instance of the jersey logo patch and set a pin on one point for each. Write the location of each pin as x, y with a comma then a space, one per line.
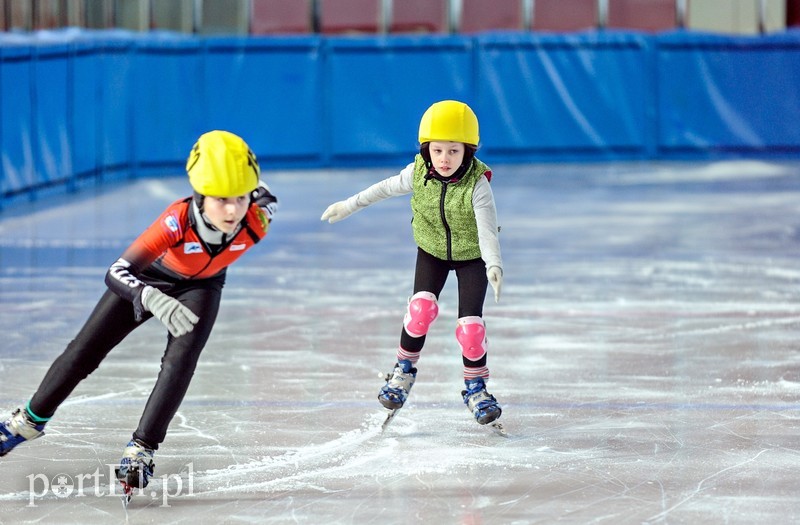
238, 247
192, 247
171, 223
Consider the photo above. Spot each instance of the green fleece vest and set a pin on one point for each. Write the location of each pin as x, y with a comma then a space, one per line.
443, 217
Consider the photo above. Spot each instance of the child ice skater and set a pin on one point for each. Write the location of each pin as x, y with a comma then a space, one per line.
174, 271
454, 223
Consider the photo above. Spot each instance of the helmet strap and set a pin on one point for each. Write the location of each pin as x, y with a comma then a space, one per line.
424, 150
199, 200
210, 234
469, 154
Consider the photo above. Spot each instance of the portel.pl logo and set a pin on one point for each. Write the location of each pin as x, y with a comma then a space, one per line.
101, 484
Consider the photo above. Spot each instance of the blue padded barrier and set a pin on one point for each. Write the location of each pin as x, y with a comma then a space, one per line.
376, 90
85, 85
269, 91
16, 109
728, 94
546, 97
81, 106
52, 119
114, 103
166, 97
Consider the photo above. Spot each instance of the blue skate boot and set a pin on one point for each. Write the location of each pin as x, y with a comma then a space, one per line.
18, 428
136, 466
398, 384
481, 403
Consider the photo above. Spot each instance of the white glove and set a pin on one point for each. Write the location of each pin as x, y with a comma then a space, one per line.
495, 276
338, 211
178, 319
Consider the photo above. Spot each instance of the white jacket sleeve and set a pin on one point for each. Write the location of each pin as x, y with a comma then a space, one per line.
486, 217
400, 184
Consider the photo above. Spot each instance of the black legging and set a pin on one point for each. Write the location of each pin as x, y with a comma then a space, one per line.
431, 275
108, 324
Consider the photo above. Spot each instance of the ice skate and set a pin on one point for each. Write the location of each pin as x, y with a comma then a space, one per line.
18, 428
136, 466
481, 403
398, 384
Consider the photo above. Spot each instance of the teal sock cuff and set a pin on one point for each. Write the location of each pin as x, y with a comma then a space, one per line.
34, 417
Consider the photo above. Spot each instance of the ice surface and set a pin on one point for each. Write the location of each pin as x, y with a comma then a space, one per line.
644, 351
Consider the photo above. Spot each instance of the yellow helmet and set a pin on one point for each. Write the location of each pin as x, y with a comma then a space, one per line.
449, 121
222, 165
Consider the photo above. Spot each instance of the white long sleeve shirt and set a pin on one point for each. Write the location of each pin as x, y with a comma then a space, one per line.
482, 202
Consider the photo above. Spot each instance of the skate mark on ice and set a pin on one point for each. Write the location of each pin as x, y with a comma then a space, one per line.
699, 489
306, 467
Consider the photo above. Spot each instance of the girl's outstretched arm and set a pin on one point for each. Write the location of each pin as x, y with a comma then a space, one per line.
400, 184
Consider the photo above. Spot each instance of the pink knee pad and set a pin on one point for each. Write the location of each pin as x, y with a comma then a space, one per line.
471, 335
422, 312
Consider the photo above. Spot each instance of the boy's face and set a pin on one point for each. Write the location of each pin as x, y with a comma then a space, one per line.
225, 213
446, 156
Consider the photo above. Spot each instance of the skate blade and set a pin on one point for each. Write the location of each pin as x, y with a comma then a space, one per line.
389, 417
498, 428
127, 491
127, 494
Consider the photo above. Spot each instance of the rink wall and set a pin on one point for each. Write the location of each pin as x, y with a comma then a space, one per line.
81, 107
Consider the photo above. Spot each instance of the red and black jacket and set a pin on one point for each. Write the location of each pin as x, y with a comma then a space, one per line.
172, 245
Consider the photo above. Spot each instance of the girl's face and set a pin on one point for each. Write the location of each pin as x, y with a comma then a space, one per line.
225, 213
446, 156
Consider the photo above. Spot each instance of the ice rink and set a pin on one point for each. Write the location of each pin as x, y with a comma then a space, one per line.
645, 352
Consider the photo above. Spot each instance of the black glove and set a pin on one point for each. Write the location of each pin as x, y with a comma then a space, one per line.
265, 199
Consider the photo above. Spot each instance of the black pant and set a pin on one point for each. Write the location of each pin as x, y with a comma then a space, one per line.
431, 275
110, 322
